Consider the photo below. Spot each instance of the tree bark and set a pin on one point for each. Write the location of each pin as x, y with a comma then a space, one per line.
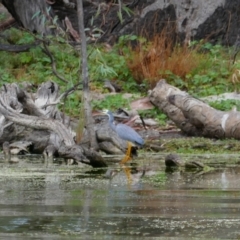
193, 116
86, 98
18, 48
19, 108
159, 97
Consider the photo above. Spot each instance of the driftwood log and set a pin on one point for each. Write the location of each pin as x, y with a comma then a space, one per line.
193, 116
35, 118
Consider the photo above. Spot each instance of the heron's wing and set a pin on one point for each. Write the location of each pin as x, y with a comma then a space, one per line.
127, 133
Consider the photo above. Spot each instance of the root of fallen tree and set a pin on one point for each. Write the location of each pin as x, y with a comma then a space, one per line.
35, 118
193, 116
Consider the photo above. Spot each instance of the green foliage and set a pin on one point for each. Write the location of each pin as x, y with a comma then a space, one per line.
3, 16
210, 77
200, 145
73, 105
109, 65
15, 36
122, 9
226, 105
155, 114
25, 58
157, 180
175, 80
214, 50
111, 102
35, 66
124, 43
212, 83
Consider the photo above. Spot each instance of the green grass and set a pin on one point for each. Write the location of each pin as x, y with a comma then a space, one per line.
200, 145
112, 102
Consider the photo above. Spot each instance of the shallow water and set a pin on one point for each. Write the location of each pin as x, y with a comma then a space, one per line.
68, 202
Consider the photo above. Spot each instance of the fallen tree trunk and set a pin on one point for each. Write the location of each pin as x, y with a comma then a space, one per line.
193, 116
28, 115
18, 48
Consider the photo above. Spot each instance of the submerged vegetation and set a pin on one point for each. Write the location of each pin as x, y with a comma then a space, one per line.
134, 63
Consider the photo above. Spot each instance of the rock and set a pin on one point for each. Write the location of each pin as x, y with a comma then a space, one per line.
173, 160
215, 20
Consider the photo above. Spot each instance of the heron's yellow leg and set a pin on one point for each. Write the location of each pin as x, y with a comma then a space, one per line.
127, 157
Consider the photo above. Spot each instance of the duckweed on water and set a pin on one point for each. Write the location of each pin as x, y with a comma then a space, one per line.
157, 180
199, 145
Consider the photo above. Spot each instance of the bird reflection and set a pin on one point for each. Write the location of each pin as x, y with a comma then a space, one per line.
125, 174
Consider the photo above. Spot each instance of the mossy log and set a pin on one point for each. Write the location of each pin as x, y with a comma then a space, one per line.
193, 116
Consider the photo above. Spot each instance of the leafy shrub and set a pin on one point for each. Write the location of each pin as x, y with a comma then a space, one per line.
111, 102
226, 105
136, 64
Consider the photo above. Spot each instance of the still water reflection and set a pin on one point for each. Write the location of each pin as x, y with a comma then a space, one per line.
62, 202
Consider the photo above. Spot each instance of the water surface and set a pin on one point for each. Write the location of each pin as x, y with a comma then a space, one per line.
68, 202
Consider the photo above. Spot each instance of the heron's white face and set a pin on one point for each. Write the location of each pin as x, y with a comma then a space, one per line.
105, 111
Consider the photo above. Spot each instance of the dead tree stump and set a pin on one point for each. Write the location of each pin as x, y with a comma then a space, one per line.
23, 114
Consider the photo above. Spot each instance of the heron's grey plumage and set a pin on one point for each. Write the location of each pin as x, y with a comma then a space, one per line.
125, 132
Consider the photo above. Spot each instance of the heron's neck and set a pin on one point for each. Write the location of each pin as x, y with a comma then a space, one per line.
111, 121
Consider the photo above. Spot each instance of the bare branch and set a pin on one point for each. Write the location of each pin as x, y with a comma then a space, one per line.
49, 54
63, 95
18, 48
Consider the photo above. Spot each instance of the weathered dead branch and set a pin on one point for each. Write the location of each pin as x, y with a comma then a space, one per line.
37, 112
54, 69
18, 48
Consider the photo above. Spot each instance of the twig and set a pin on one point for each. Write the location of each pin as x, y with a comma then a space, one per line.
235, 55
18, 48
71, 30
143, 122
49, 54
236, 49
63, 95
